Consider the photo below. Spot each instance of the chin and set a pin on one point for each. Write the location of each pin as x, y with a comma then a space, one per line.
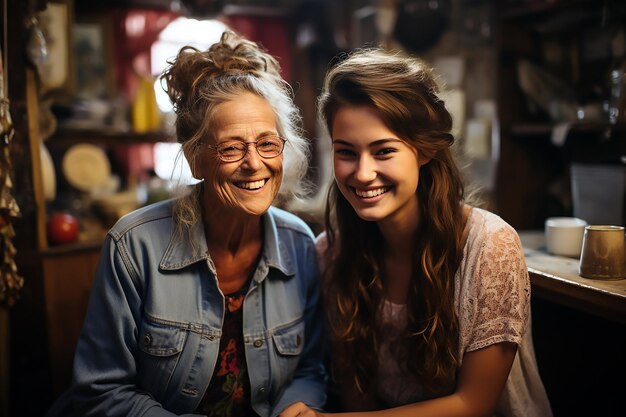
369, 216
253, 205
257, 208
257, 212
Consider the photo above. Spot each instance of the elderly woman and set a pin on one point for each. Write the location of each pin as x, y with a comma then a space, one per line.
208, 304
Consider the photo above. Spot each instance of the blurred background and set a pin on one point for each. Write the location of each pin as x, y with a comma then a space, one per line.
537, 90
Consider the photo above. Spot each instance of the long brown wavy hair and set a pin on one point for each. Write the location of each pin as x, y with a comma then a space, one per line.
404, 92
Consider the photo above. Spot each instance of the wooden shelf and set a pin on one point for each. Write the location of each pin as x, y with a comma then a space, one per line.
545, 129
534, 9
553, 17
74, 248
252, 10
67, 137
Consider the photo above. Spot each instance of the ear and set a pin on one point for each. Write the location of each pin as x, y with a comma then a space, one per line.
423, 160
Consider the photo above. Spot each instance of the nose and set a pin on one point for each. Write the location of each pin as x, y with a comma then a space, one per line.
251, 159
365, 170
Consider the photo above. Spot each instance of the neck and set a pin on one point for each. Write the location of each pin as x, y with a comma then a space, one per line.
398, 231
398, 256
230, 232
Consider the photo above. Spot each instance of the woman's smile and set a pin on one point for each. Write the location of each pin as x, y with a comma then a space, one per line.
369, 194
250, 185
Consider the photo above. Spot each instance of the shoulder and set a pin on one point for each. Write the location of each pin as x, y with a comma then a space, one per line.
286, 221
489, 232
321, 247
492, 247
321, 242
157, 213
493, 258
326, 255
493, 289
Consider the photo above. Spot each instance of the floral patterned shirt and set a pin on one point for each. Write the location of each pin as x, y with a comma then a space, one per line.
228, 394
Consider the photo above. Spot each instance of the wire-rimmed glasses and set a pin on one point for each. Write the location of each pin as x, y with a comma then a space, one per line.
235, 150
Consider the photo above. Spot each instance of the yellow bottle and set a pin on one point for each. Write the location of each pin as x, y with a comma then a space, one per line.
145, 112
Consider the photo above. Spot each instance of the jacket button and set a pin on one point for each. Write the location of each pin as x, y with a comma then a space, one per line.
147, 339
258, 343
262, 391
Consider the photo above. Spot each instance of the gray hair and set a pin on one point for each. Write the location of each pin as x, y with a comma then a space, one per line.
198, 81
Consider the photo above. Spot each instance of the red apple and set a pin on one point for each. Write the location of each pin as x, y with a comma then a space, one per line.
62, 228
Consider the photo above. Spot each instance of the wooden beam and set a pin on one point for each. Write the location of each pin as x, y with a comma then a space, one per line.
32, 108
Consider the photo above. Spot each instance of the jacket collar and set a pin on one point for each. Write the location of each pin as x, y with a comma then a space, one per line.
183, 251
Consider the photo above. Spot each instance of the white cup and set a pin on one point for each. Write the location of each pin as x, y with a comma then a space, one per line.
564, 236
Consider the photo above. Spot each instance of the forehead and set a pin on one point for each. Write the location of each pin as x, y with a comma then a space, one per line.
362, 122
244, 115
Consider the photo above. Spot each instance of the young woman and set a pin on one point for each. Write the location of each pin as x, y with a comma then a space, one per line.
207, 304
427, 297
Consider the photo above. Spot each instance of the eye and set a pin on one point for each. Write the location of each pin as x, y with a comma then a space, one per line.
345, 152
268, 143
229, 148
386, 151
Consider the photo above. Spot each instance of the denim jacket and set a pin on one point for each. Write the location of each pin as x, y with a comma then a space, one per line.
151, 336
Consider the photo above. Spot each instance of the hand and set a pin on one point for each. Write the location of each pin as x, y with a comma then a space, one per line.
300, 409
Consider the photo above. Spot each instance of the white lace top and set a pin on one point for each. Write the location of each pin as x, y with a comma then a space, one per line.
492, 299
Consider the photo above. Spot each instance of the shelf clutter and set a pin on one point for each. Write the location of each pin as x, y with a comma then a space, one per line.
66, 137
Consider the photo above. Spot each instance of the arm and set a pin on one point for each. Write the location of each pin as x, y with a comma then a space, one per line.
104, 364
481, 379
501, 299
309, 383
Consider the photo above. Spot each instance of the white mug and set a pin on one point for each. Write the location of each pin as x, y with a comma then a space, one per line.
564, 236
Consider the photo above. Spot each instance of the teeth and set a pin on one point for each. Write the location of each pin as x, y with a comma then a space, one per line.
253, 185
371, 193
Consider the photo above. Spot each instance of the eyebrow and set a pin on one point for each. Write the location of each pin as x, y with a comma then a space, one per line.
240, 138
377, 142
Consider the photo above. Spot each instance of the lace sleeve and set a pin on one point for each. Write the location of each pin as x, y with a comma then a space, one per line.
502, 290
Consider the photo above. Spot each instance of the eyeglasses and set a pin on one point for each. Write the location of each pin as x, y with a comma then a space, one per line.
235, 150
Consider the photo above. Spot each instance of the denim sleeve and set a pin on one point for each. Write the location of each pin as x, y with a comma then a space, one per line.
309, 382
104, 365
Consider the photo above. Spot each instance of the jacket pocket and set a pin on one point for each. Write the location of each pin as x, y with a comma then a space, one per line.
288, 345
160, 347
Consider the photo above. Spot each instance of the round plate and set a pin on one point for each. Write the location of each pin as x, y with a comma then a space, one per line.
86, 167
47, 173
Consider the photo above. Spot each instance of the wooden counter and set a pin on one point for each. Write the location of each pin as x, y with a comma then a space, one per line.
556, 278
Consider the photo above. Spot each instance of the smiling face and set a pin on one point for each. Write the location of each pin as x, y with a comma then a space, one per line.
375, 170
250, 184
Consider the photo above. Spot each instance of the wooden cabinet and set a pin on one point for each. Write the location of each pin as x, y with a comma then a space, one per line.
48, 319
68, 275
46, 322
576, 42
68, 270
579, 333
579, 352
581, 360
41, 330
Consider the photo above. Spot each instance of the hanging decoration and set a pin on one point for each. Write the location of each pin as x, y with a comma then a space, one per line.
10, 281
37, 47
